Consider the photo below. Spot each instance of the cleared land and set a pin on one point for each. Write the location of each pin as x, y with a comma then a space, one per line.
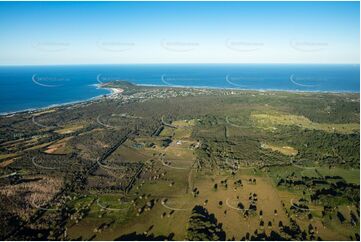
273, 120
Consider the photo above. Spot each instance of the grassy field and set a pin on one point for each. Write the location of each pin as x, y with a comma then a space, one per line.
272, 120
286, 150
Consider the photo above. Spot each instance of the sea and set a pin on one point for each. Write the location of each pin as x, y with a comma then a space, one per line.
34, 87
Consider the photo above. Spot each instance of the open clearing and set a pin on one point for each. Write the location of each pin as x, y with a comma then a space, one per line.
271, 120
286, 150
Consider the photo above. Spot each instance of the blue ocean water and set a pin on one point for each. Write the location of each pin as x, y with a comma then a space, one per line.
29, 87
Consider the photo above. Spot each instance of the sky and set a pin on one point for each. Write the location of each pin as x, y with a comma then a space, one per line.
57, 33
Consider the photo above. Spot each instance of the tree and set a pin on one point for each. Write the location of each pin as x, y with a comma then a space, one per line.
269, 224
215, 187
204, 226
240, 205
340, 217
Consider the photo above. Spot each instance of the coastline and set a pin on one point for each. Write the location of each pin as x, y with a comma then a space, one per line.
251, 90
117, 91
112, 91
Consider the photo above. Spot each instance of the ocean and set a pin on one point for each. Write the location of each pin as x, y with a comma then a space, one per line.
32, 87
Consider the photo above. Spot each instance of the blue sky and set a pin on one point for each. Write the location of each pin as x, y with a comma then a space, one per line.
41, 33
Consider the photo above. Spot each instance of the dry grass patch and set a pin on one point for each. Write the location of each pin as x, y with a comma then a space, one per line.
6, 163
5, 156
39, 146
44, 112
69, 129
59, 147
285, 150
35, 191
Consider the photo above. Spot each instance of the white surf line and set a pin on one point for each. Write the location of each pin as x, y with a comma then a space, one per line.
110, 209
33, 78
42, 208
299, 84
165, 82
236, 208
8, 175
162, 78
304, 209
43, 167
173, 85
234, 84
41, 125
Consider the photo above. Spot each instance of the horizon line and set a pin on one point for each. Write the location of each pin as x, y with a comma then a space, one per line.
182, 63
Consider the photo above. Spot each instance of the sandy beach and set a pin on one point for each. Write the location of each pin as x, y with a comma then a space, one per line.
116, 90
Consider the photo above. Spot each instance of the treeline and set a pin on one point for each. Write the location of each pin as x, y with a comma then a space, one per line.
325, 148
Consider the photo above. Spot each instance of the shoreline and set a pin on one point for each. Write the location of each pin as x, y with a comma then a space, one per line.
116, 91
112, 91
251, 90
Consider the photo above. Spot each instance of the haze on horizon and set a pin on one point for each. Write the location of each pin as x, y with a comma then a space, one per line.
43, 33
